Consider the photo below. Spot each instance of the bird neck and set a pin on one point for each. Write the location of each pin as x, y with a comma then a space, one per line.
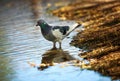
45, 28
44, 25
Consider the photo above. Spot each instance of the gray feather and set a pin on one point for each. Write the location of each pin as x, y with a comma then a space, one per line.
62, 29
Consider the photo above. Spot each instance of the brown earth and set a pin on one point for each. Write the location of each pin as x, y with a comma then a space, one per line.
101, 37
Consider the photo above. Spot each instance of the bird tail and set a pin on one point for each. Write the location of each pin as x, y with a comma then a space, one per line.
73, 27
77, 25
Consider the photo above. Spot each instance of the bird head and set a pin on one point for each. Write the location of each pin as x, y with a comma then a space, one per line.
41, 22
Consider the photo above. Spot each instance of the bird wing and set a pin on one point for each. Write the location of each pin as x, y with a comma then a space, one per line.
62, 29
60, 32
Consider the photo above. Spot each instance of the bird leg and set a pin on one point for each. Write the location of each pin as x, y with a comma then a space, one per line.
54, 45
60, 45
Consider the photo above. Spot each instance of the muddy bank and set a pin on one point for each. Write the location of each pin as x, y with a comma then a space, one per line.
101, 37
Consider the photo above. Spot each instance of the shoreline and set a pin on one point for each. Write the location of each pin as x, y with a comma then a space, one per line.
101, 35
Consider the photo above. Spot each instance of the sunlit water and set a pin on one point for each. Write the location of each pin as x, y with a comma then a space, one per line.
21, 42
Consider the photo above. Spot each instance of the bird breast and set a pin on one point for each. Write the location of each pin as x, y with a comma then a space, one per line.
49, 36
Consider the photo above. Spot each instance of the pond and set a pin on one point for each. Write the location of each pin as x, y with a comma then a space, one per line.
21, 42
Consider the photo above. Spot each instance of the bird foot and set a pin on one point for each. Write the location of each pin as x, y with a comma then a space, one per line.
60, 47
54, 48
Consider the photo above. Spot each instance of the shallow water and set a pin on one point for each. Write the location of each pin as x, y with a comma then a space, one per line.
21, 42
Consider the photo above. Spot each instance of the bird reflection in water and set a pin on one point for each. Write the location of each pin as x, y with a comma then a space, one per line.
53, 56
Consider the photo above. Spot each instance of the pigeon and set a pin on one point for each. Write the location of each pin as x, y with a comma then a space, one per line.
55, 33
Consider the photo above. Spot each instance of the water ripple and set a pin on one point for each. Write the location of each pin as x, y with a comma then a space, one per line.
21, 42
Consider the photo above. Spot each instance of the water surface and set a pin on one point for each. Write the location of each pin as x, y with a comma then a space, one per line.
21, 42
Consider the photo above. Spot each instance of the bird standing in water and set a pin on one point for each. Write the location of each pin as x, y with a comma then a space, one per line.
55, 33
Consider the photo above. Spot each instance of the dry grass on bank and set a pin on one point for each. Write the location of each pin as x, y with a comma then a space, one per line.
101, 37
